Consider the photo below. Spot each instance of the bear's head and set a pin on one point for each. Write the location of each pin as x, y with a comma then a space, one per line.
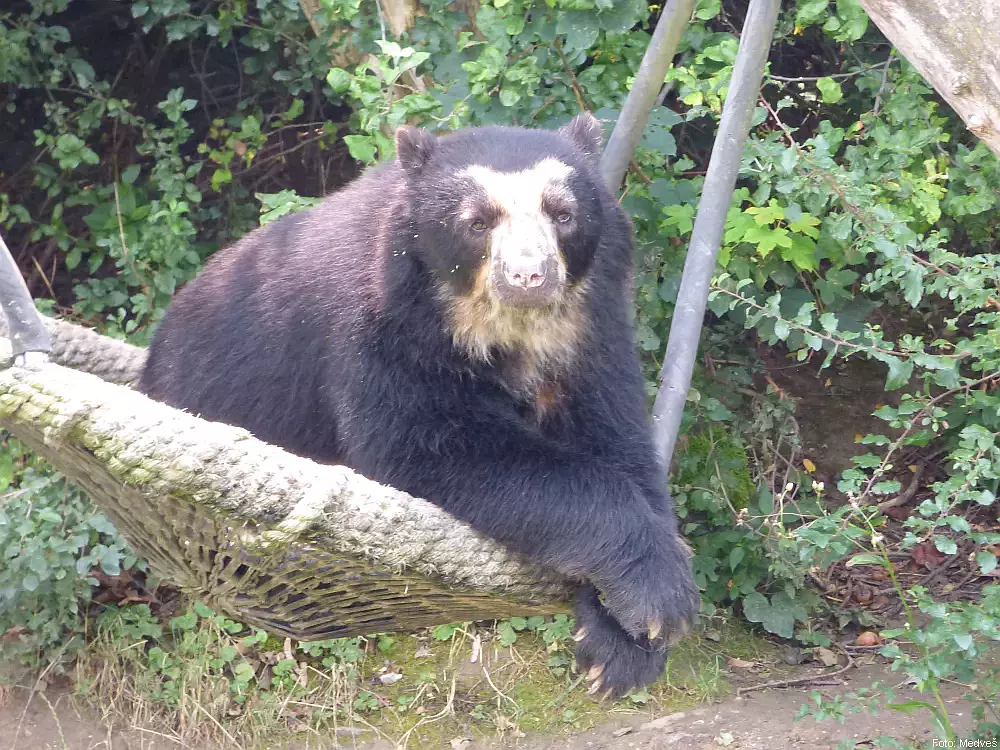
508, 221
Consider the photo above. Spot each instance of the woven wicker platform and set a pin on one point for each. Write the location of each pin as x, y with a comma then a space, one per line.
268, 538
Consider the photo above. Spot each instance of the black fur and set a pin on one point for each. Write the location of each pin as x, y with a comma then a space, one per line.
325, 333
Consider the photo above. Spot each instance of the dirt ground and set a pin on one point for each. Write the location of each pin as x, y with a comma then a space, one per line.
766, 721
759, 720
850, 391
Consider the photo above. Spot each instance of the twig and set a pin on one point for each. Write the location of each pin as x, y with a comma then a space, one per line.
936, 573
808, 79
836, 341
498, 691
381, 18
45, 278
573, 82
915, 421
664, 92
800, 680
881, 89
448, 708
911, 489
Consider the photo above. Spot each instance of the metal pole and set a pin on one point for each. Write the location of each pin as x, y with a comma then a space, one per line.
641, 98
28, 335
706, 238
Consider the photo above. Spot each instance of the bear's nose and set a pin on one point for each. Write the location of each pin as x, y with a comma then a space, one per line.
526, 273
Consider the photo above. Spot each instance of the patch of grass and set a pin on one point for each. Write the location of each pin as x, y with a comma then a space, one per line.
204, 680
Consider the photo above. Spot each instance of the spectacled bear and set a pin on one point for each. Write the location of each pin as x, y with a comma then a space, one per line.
456, 324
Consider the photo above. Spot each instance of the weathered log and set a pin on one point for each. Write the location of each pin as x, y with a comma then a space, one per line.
955, 47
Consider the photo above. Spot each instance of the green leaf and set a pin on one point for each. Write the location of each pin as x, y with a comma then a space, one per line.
987, 561
6, 469
111, 561
911, 707
339, 80
361, 147
946, 545
737, 226
986, 497
220, 177
765, 500
755, 607
900, 371
187, 621
413, 61
801, 253
852, 21
768, 214
681, 216
766, 239
780, 622
619, 16
735, 557
509, 97
830, 90
865, 558
506, 635
580, 29
806, 224
657, 135
887, 487
445, 632
707, 9
810, 12
130, 174
913, 285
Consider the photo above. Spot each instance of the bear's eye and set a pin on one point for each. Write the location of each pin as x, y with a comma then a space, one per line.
564, 217
478, 225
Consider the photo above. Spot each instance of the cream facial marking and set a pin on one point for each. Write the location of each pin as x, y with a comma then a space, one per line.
524, 262
519, 300
519, 193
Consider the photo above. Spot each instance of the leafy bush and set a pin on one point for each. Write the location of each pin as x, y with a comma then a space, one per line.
51, 540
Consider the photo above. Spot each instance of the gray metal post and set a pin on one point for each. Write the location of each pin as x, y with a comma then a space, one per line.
641, 98
706, 238
24, 325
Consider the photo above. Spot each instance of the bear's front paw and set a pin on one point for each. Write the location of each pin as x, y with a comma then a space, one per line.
655, 597
613, 661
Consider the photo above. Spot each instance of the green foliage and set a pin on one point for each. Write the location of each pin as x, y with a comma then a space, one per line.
202, 644
947, 647
236, 679
713, 485
51, 542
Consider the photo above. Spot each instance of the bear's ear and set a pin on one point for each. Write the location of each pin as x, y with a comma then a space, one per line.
413, 147
586, 132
